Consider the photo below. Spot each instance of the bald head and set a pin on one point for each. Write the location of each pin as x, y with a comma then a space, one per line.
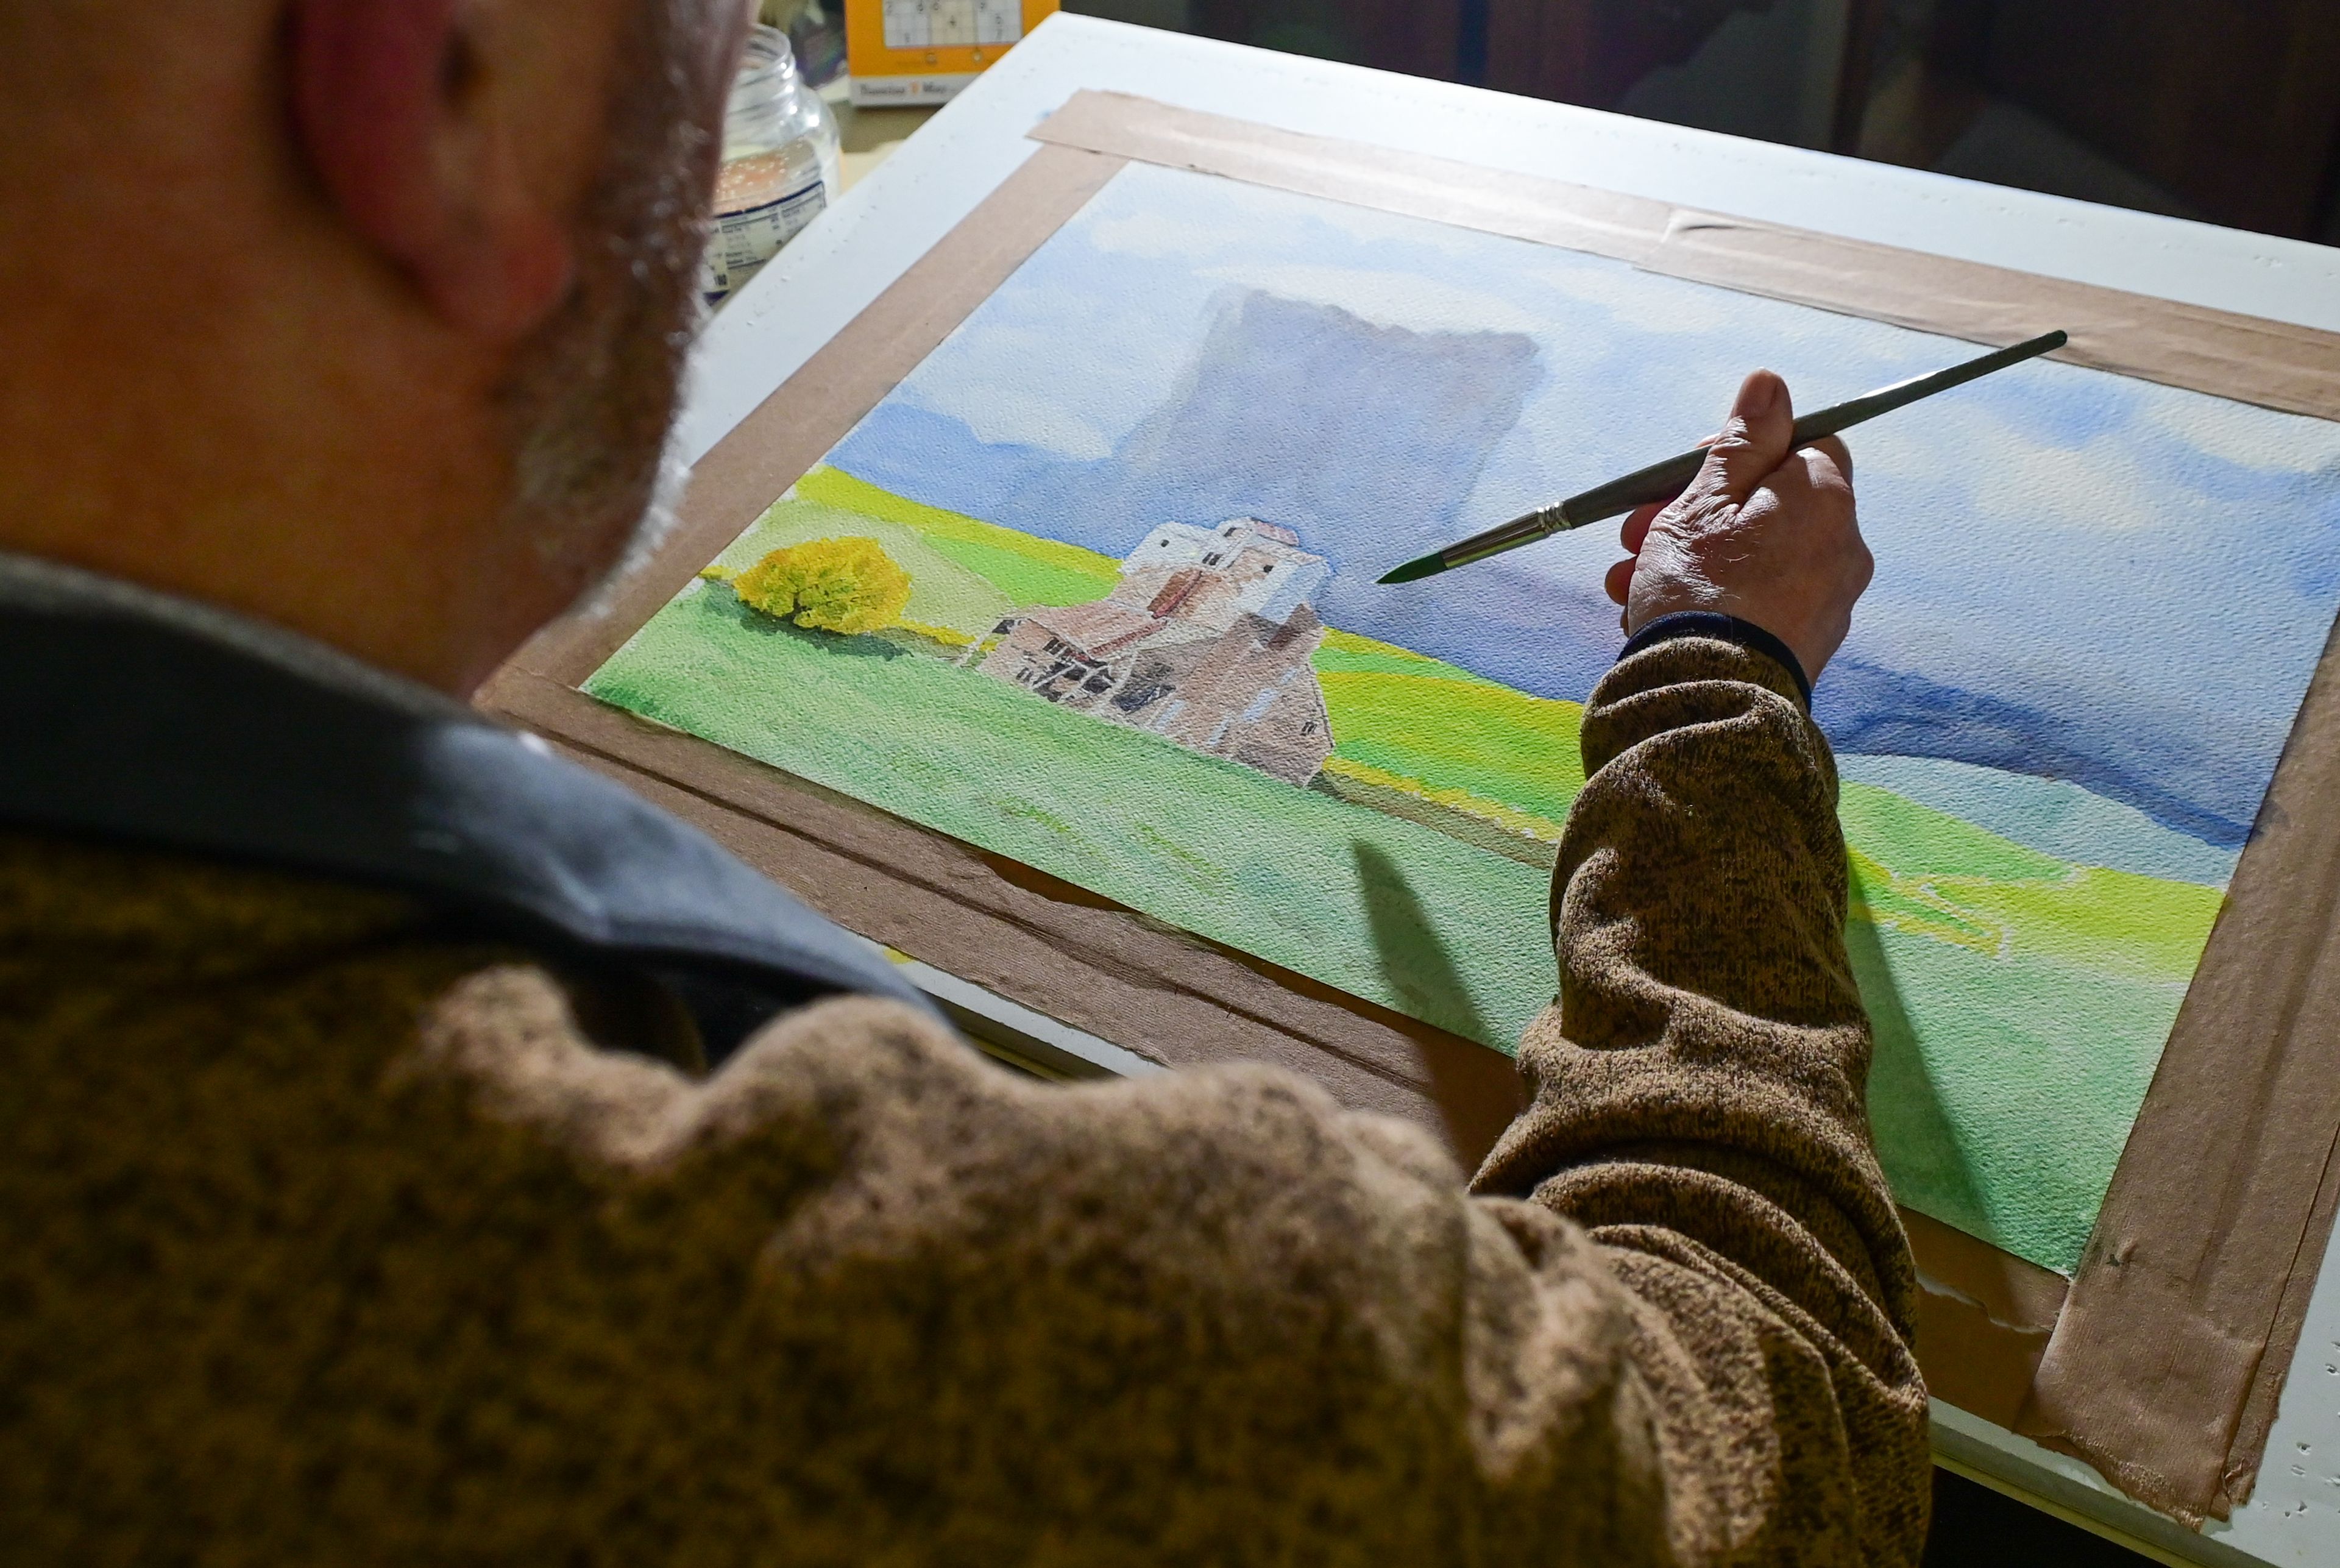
362, 317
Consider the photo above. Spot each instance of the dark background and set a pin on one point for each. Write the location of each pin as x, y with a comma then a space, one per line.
2222, 110
1974, 1527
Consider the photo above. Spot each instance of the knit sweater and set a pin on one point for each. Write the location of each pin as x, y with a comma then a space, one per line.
326, 1237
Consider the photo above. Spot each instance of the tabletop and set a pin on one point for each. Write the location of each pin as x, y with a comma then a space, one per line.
894, 212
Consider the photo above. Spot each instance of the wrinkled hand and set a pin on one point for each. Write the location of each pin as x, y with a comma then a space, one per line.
1763, 533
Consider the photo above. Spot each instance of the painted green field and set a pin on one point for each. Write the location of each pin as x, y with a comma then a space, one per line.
2021, 1005
2021, 1001
1397, 712
1029, 570
1379, 908
1417, 718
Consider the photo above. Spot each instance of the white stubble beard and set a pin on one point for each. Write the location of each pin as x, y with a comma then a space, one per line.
598, 450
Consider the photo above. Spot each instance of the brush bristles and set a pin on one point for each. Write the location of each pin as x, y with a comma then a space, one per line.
1422, 566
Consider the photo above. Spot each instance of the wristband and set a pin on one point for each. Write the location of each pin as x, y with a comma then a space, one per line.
1729, 629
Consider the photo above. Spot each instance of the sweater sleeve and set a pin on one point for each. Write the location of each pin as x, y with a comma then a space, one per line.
1698, 1107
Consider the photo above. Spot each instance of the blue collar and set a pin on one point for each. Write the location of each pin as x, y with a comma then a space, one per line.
130, 715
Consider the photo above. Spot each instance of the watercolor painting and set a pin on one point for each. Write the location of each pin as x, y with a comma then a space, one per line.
1094, 589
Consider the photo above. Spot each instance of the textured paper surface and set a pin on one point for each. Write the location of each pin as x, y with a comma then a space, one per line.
2058, 715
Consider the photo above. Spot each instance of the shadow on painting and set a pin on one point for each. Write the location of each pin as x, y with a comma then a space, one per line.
1917, 1138
1475, 1099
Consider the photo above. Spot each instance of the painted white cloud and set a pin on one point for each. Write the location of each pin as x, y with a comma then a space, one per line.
1391, 299
1381, 229
1018, 400
2238, 432
1152, 235
1638, 299
1026, 416
1010, 378
2098, 487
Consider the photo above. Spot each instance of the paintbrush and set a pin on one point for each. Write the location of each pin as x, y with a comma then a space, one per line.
1664, 480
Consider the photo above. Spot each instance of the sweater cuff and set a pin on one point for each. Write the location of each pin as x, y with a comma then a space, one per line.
1724, 628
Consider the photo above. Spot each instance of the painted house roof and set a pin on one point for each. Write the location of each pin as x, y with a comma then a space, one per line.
1099, 629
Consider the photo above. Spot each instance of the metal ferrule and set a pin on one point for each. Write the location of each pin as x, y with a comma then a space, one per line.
1503, 537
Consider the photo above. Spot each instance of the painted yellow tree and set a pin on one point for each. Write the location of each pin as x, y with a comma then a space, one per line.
843, 585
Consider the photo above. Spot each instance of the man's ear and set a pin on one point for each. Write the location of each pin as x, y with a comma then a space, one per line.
394, 105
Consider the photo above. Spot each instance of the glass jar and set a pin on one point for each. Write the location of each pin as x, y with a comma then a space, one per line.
780, 165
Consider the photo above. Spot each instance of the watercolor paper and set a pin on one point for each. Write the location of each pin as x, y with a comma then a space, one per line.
1139, 498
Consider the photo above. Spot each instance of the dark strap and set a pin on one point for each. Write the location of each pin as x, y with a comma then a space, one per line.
1723, 629
120, 725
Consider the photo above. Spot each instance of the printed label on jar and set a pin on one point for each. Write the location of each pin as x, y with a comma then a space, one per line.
743, 241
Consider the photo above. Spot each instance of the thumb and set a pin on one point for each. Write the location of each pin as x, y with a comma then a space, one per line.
1755, 439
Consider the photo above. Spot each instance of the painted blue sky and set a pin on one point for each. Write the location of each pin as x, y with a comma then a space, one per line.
2080, 576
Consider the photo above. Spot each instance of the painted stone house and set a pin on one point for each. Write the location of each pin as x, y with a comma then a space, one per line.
1205, 640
